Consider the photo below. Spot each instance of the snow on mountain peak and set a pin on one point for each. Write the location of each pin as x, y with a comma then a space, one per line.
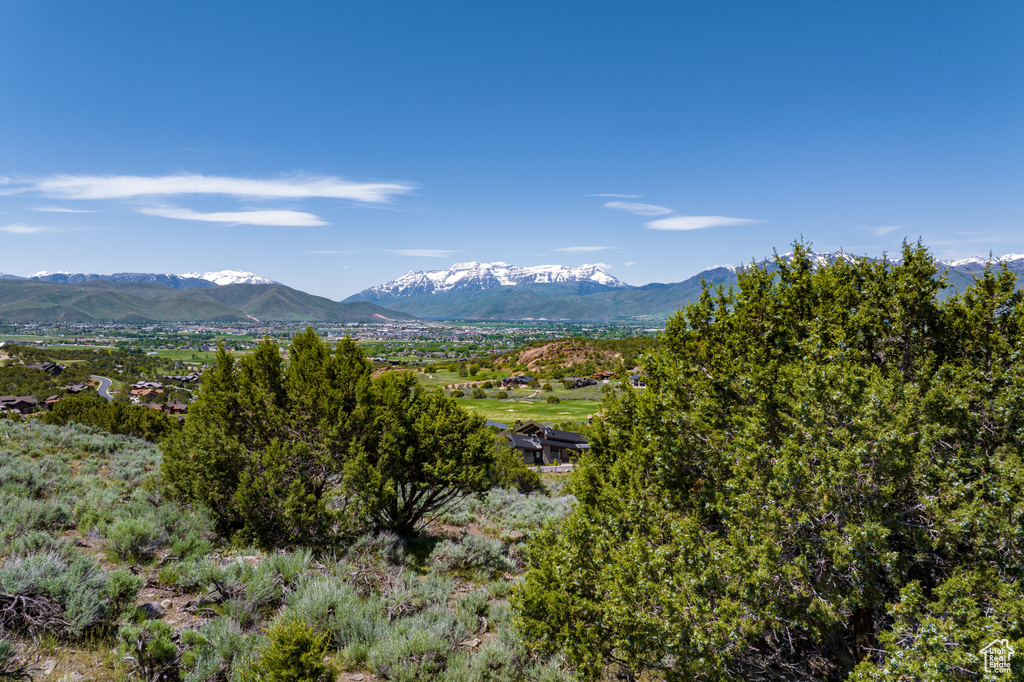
477, 275
979, 260
223, 277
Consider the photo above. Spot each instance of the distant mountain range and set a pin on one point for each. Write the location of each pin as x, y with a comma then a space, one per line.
104, 300
475, 277
482, 291
186, 281
490, 291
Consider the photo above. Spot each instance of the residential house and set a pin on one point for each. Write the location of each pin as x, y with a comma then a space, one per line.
175, 407
541, 444
528, 446
19, 404
51, 368
513, 382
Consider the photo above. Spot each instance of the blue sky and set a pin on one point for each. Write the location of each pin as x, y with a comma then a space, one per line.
336, 145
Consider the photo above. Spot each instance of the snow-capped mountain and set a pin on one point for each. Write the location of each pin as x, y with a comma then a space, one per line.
977, 263
476, 276
968, 265
223, 277
186, 281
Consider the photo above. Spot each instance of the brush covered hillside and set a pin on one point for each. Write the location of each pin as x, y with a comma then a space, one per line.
103, 577
577, 356
130, 302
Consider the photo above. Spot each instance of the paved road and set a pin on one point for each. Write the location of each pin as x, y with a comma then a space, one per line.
102, 388
556, 469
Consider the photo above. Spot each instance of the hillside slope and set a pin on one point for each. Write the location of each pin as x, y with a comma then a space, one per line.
107, 301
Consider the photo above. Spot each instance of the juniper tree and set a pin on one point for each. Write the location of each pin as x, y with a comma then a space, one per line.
821, 481
304, 451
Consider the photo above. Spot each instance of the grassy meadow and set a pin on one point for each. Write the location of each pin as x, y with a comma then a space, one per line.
446, 378
507, 411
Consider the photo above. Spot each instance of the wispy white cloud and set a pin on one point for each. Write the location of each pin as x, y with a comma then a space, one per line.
132, 186
275, 218
629, 262
582, 249
638, 209
696, 222
54, 209
617, 196
603, 266
882, 230
422, 253
26, 229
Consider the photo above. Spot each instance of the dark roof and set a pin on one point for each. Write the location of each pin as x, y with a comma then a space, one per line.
498, 425
564, 444
521, 442
553, 437
15, 399
567, 436
530, 427
49, 366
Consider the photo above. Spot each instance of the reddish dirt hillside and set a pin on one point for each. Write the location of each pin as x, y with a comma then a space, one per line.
563, 353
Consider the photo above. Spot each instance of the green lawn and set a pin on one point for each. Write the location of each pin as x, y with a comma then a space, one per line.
507, 411
445, 378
